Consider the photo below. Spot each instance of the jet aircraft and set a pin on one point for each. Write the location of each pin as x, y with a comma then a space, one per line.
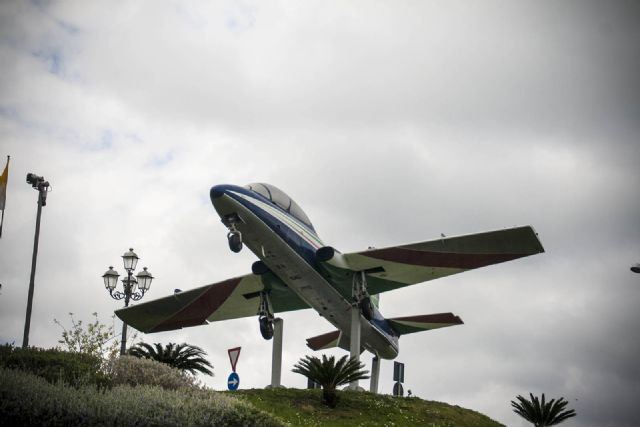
296, 270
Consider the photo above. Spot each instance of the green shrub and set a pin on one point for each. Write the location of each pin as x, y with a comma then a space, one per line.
95, 337
26, 399
55, 365
134, 371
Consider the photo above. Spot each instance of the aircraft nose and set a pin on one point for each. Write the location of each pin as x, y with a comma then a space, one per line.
217, 191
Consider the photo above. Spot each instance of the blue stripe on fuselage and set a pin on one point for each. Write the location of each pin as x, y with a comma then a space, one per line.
384, 326
293, 239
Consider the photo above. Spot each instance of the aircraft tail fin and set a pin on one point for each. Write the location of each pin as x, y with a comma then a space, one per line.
425, 322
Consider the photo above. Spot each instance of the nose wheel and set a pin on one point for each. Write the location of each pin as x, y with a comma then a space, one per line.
235, 241
234, 236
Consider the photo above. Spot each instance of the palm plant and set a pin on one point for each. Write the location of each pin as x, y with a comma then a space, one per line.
542, 414
330, 374
185, 357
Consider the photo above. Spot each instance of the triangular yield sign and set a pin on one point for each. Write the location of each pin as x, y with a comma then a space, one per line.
234, 354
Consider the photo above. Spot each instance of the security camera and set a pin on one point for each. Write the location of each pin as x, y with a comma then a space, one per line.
34, 179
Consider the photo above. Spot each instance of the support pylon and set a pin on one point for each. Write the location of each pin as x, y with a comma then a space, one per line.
354, 346
375, 374
276, 354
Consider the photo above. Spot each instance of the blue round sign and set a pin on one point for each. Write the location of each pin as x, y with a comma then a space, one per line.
233, 382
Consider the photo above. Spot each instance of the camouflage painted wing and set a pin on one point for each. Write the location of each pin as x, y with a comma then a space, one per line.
230, 299
399, 266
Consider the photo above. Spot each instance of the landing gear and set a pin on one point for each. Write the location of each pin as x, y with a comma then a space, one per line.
361, 297
366, 307
265, 317
235, 241
266, 327
234, 236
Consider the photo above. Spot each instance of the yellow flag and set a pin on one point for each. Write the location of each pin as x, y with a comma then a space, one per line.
3, 185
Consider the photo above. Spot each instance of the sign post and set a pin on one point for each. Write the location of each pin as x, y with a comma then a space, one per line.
398, 372
233, 382
397, 389
398, 377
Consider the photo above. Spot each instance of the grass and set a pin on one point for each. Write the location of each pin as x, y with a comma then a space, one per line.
303, 408
43, 393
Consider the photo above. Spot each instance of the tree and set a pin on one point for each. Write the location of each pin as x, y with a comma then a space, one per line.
95, 338
542, 414
185, 357
330, 374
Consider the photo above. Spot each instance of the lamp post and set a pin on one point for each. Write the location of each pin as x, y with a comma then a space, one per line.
38, 183
134, 287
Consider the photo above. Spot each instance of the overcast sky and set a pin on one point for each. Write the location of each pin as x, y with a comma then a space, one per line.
389, 123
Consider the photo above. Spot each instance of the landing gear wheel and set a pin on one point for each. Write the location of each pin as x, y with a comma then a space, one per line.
235, 241
266, 327
366, 307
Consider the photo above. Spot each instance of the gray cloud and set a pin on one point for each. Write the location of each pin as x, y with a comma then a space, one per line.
387, 124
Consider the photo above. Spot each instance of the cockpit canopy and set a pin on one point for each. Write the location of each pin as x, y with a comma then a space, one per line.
280, 198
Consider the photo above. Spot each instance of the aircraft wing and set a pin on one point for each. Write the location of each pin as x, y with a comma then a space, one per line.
230, 299
398, 266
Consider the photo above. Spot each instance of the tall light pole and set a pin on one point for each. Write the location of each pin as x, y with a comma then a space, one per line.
38, 183
134, 287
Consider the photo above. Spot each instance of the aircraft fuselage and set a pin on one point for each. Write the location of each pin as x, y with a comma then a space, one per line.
288, 246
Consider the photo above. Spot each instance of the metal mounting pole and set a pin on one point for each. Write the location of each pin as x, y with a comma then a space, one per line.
123, 343
375, 374
354, 344
42, 194
127, 295
276, 355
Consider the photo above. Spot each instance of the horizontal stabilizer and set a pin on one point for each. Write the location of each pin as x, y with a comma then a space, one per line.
329, 340
426, 322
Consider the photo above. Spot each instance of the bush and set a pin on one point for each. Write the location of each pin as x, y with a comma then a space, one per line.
94, 338
133, 371
26, 399
55, 365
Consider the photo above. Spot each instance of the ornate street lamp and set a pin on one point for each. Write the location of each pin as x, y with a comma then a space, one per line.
134, 287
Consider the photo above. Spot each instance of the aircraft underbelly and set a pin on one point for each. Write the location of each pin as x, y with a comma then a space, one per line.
303, 279
314, 289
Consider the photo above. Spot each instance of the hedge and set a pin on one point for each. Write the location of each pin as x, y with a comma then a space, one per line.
26, 399
55, 365
134, 371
